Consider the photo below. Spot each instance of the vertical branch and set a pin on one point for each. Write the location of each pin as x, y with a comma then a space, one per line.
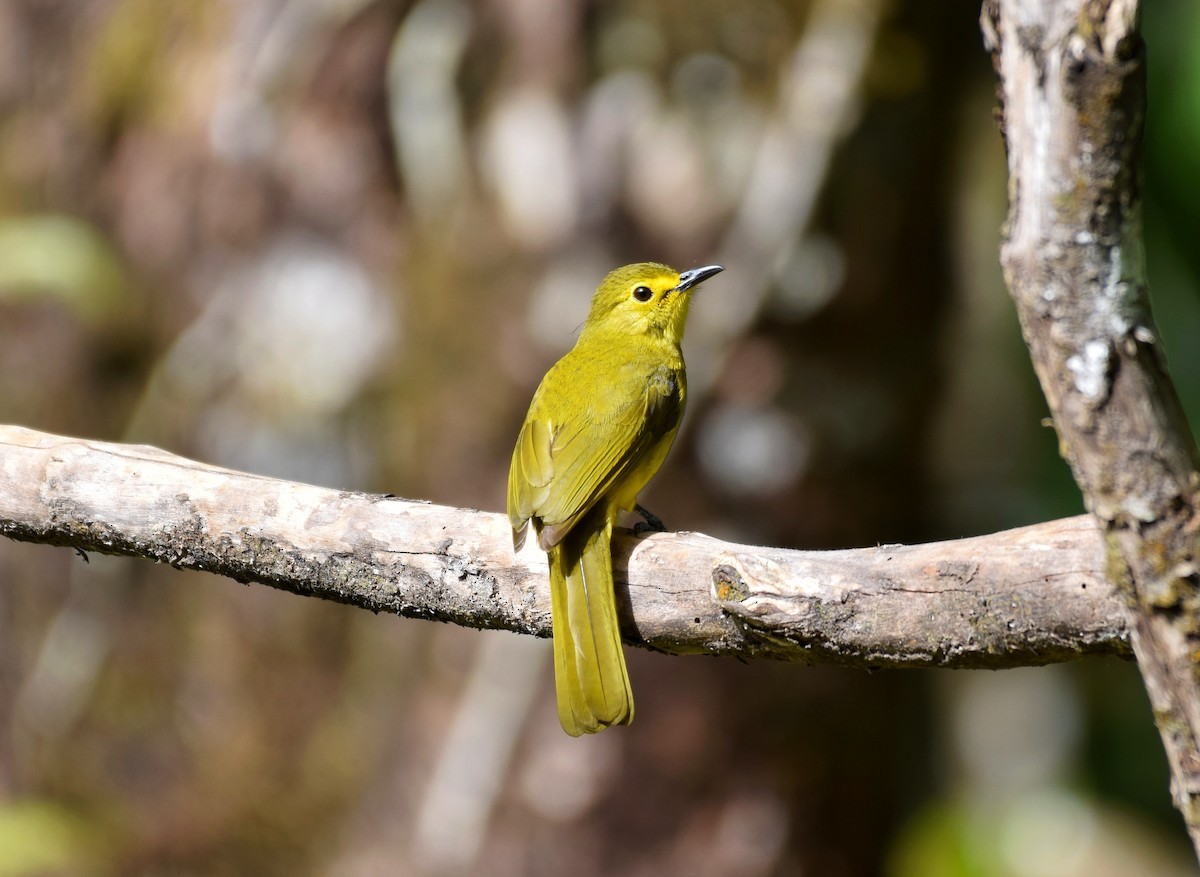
1072, 82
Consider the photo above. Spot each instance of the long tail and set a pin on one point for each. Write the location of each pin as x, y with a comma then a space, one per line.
589, 665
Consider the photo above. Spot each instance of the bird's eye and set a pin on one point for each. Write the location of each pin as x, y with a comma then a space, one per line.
642, 293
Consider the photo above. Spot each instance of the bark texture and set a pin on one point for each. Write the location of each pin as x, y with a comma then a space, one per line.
1072, 78
1030, 596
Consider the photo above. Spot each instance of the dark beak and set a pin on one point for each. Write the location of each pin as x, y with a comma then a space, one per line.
688, 279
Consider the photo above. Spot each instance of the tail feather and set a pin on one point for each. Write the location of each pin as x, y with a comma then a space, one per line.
589, 664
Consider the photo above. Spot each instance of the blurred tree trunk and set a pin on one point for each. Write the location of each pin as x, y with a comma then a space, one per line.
1072, 76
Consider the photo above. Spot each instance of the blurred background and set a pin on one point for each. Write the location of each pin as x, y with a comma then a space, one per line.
340, 241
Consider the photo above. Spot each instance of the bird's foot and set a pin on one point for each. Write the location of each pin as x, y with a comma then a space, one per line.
650, 523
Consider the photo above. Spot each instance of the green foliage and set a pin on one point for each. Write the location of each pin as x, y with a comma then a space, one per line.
40, 837
60, 257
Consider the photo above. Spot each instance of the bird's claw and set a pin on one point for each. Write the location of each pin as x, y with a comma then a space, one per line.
650, 523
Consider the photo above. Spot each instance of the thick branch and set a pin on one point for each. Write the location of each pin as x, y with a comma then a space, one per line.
1073, 88
1029, 596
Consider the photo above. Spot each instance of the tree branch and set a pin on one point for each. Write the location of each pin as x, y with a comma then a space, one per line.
1072, 75
1030, 596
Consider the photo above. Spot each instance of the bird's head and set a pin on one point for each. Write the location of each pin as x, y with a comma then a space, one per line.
646, 298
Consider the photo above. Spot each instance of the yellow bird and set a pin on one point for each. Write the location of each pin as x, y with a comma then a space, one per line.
598, 428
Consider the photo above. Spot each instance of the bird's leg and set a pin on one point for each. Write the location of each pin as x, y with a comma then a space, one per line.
650, 522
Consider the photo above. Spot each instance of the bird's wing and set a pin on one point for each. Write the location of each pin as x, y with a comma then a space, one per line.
530, 473
561, 469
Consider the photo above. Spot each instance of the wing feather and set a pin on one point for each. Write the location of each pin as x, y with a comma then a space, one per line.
562, 469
